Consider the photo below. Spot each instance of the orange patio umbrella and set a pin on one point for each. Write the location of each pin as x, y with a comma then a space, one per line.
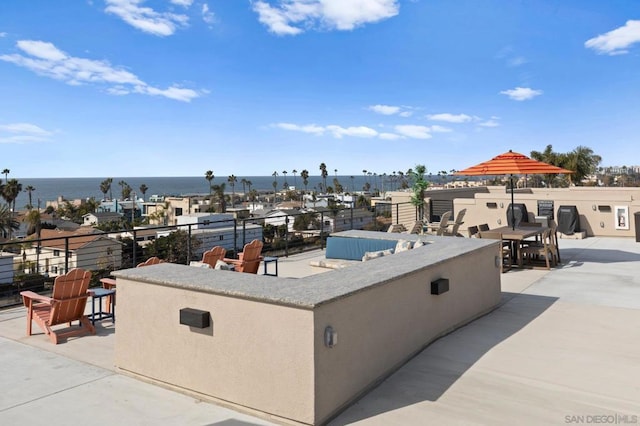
512, 163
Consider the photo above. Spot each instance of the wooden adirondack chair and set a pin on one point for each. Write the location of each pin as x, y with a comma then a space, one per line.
249, 260
212, 256
456, 224
150, 261
66, 304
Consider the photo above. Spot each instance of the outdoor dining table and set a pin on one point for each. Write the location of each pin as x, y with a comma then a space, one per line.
518, 235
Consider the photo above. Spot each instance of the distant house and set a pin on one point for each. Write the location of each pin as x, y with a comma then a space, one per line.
345, 219
205, 220
143, 235
87, 251
216, 229
6, 268
280, 217
98, 218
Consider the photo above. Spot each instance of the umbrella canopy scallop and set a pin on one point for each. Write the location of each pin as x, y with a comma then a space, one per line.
512, 163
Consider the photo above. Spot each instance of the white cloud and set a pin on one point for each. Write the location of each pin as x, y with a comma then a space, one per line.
414, 131
23, 132
450, 118
617, 41
440, 129
489, 123
173, 92
145, 18
309, 128
389, 136
3, 34
385, 109
207, 15
184, 3
402, 111
492, 122
45, 59
291, 17
521, 93
339, 132
355, 131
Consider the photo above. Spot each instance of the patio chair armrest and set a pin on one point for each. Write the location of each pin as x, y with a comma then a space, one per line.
232, 261
32, 296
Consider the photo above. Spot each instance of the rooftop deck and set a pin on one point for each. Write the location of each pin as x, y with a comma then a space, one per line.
562, 344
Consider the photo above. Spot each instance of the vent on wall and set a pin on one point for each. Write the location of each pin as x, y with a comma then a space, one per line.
492, 205
604, 208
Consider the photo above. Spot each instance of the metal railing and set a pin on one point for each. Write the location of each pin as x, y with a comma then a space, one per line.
33, 263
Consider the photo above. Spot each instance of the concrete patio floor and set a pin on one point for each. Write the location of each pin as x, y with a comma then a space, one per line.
563, 347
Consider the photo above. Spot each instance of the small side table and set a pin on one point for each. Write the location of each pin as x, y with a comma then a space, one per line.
96, 297
267, 260
109, 284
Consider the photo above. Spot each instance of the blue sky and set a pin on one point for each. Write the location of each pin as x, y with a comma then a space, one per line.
178, 87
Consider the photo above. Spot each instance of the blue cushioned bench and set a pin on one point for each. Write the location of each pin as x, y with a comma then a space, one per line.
351, 248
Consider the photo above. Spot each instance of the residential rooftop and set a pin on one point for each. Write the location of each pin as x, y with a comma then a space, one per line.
562, 345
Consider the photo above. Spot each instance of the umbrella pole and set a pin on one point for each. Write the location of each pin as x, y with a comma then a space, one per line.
513, 213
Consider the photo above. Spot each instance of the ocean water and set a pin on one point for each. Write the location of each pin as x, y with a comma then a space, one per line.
83, 188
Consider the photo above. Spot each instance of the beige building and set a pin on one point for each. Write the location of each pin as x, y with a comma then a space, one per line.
61, 251
602, 211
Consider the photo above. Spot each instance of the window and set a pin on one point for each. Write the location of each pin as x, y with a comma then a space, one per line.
178, 211
56, 252
220, 237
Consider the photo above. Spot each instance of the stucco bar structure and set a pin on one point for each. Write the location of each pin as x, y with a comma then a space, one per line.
299, 349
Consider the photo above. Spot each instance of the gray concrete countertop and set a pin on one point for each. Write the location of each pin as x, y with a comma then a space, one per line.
314, 290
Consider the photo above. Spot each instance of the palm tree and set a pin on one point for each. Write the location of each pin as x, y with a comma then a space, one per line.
419, 186
123, 185
284, 185
209, 177
232, 179
35, 227
33, 220
6, 172
583, 162
109, 182
295, 184
324, 174
10, 192
105, 186
219, 192
29, 189
143, 188
275, 184
243, 181
304, 174
8, 223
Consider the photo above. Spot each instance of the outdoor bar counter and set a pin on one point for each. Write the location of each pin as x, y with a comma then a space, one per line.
299, 348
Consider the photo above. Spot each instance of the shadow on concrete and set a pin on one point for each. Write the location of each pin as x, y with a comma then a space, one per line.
232, 422
428, 375
593, 255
